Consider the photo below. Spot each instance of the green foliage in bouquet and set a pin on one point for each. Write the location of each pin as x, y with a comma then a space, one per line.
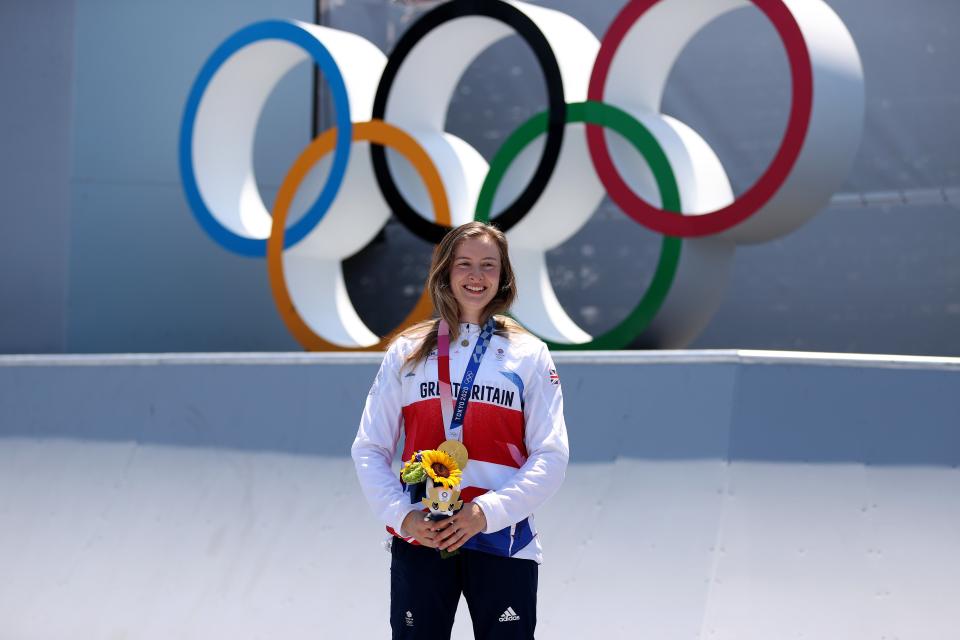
413, 473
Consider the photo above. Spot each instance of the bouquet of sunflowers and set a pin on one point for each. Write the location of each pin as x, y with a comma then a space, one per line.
432, 477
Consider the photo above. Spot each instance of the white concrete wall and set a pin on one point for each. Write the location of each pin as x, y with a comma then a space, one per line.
732, 495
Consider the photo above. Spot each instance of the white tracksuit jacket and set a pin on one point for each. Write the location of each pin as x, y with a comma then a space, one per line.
513, 430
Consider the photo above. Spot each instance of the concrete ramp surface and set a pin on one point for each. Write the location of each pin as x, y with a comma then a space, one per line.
710, 495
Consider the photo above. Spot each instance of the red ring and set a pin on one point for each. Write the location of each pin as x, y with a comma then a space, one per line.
665, 222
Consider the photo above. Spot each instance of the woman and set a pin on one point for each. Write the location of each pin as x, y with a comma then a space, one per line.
513, 430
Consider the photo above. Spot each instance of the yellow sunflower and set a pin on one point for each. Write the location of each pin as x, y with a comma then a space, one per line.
441, 468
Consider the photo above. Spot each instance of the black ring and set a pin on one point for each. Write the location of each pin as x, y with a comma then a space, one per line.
556, 109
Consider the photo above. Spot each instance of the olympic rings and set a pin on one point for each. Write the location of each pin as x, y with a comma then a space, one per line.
824, 125
750, 202
596, 113
545, 181
416, 35
375, 131
226, 89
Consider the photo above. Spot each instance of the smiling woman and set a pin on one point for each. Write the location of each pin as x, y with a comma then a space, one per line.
475, 276
508, 418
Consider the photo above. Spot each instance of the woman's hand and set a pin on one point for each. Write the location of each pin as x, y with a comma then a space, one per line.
423, 530
454, 532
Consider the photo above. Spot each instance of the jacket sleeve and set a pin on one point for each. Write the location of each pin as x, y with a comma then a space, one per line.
376, 443
545, 437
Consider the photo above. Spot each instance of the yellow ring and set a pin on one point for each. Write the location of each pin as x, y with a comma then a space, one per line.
377, 132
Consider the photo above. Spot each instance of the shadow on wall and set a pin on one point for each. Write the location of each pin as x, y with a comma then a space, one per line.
306, 405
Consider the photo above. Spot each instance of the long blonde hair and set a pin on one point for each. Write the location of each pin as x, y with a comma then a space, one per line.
445, 304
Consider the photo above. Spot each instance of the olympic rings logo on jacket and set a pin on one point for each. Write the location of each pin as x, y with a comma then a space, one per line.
546, 180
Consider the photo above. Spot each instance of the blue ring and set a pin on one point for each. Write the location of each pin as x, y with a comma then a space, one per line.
268, 30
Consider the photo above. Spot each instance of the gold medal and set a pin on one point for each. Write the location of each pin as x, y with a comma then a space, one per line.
456, 450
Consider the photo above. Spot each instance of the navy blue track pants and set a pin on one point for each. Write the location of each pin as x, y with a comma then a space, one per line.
425, 589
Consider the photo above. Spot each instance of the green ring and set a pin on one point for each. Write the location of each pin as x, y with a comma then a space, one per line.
598, 113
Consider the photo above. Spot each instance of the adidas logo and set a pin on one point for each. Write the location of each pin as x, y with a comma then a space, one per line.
509, 615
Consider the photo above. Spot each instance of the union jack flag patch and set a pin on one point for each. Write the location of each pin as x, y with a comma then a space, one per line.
554, 377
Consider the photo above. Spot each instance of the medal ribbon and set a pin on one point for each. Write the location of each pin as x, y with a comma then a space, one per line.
453, 414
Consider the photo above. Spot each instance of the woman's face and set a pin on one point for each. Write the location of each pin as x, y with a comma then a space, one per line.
475, 276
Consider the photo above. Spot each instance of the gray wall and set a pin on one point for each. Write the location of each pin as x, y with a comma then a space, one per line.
143, 276
36, 111
729, 495
103, 255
